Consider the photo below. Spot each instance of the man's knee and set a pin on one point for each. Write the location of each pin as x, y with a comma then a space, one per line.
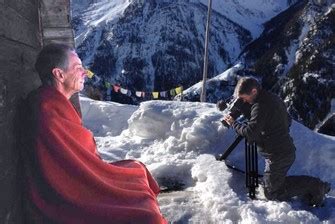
274, 186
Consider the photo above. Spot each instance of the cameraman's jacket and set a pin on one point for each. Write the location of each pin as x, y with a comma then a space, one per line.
268, 125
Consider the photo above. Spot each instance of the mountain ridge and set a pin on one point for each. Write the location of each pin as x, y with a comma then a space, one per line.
158, 45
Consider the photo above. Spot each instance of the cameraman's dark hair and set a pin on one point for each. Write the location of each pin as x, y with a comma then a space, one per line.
52, 56
245, 85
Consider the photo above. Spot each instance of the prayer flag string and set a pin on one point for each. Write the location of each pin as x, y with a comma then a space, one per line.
118, 89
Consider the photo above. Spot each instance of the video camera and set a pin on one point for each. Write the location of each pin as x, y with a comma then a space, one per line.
236, 108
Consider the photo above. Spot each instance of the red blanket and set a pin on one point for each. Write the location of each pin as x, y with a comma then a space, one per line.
69, 183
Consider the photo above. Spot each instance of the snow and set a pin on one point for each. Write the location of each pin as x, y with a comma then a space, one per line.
98, 13
95, 14
111, 112
99, 22
178, 142
229, 75
249, 14
103, 21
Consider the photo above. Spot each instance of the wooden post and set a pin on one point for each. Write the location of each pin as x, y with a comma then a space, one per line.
205, 71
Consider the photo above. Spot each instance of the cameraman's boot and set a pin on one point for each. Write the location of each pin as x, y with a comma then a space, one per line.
317, 197
310, 189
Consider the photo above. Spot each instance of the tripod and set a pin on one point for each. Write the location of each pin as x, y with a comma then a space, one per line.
251, 168
251, 164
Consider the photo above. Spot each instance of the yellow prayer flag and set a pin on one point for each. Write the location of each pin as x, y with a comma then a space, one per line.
179, 90
155, 95
89, 73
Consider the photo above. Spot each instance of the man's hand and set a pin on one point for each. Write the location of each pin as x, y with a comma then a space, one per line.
229, 119
221, 105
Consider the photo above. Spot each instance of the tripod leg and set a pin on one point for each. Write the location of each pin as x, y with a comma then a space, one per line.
251, 168
246, 155
252, 189
254, 176
248, 168
229, 150
256, 168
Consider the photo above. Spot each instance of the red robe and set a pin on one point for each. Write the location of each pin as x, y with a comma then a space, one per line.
69, 183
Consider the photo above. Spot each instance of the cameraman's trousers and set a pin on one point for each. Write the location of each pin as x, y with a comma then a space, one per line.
278, 186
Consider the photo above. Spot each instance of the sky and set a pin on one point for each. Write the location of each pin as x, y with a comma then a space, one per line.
178, 142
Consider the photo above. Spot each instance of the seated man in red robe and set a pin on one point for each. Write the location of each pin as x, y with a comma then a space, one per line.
66, 181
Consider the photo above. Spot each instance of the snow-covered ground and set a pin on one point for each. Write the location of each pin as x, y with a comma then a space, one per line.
178, 142
97, 13
249, 14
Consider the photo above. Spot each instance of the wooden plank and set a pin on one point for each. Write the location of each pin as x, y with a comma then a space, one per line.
56, 20
55, 3
55, 13
57, 33
68, 41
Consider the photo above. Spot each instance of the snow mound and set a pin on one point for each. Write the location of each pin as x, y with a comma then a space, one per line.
178, 142
105, 118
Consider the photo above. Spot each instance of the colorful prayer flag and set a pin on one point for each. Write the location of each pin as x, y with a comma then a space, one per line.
155, 95
116, 88
179, 90
89, 73
163, 94
124, 91
172, 92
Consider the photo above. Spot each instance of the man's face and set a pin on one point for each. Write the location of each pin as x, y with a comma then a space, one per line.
249, 98
74, 75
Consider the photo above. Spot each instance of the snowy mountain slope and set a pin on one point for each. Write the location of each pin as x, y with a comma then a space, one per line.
219, 87
88, 15
178, 142
158, 45
328, 125
249, 14
295, 58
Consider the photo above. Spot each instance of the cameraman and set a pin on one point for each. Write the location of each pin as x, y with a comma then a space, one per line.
268, 126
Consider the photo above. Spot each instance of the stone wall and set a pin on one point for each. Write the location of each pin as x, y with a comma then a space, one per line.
25, 26
20, 41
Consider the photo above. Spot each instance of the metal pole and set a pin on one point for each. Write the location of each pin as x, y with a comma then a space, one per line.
203, 89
